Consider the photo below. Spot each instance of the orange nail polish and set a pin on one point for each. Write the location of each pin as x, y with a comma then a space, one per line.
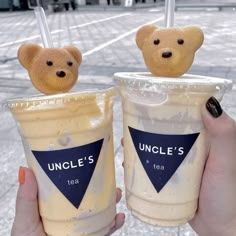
21, 175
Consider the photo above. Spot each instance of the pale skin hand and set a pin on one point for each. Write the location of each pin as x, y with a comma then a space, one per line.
216, 215
27, 221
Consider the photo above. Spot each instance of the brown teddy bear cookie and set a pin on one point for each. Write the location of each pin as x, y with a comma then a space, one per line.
169, 52
51, 70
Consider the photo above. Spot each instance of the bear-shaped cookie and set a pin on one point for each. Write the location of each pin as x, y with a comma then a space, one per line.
51, 70
169, 52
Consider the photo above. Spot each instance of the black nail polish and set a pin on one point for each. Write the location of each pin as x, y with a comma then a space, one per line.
213, 106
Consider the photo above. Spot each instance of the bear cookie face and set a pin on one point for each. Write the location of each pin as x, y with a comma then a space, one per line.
169, 52
51, 70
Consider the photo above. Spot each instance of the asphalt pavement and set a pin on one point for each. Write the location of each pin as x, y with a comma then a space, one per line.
106, 39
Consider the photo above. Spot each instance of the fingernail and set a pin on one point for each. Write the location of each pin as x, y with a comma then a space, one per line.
123, 216
21, 175
213, 106
119, 189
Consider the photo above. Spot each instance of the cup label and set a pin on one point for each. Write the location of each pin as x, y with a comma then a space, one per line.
71, 169
161, 154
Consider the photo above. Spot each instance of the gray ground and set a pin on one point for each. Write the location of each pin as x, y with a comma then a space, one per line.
106, 39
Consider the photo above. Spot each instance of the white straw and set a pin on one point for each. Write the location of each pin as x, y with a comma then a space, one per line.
43, 26
169, 13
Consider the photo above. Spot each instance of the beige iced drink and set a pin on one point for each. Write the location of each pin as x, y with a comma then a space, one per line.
165, 143
68, 140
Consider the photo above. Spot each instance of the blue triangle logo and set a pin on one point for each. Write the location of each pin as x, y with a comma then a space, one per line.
160, 154
71, 169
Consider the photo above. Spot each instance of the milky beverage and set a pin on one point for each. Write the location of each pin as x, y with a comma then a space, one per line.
69, 146
165, 145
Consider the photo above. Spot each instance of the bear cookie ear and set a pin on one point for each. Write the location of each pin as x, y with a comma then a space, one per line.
195, 35
75, 52
27, 53
143, 33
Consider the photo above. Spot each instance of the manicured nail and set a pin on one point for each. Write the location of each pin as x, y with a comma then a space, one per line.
213, 106
21, 175
119, 190
123, 216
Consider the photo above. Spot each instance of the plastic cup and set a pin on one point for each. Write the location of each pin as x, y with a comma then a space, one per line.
165, 143
68, 142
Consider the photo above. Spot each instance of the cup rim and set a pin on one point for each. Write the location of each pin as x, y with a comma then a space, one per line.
146, 81
83, 96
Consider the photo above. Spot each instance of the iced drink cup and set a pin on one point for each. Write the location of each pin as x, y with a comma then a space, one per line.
68, 142
165, 143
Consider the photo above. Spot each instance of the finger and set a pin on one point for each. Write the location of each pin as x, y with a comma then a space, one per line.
222, 133
118, 194
119, 222
27, 216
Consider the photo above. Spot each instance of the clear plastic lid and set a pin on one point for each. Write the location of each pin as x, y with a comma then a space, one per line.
191, 83
87, 95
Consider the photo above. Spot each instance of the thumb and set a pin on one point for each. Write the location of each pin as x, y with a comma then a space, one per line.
222, 135
27, 219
